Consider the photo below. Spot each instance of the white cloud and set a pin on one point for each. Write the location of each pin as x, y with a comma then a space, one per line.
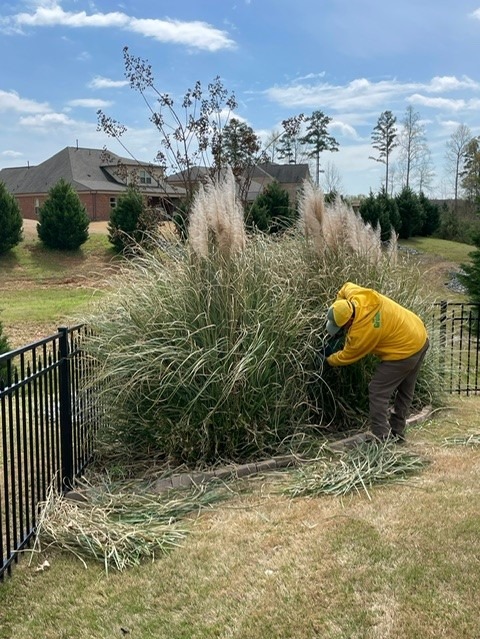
356, 95
8, 153
84, 56
444, 103
476, 14
89, 103
11, 101
311, 76
440, 84
47, 120
362, 94
195, 34
344, 129
99, 82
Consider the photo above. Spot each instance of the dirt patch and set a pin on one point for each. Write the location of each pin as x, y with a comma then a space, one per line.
30, 229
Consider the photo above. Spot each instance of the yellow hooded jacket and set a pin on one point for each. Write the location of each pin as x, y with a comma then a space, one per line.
380, 326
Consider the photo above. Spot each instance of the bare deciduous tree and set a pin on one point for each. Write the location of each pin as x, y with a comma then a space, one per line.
188, 131
412, 143
332, 180
455, 156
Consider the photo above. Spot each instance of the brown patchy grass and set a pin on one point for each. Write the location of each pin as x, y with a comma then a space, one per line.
403, 564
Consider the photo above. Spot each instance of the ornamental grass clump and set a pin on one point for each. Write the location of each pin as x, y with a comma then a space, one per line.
208, 353
356, 470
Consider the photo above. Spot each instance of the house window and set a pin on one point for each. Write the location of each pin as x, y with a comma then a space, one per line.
37, 206
113, 202
144, 177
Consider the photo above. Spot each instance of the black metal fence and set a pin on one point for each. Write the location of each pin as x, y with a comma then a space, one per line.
455, 333
48, 420
47, 426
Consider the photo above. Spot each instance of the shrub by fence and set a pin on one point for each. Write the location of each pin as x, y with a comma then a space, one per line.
48, 422
47, 428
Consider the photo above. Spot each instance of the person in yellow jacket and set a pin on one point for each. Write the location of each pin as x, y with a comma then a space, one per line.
374, 323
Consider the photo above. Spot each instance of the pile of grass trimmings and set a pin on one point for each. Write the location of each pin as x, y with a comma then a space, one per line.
118, 526
208, 353
355, 470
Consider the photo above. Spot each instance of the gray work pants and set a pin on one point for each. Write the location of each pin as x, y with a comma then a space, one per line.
393, 377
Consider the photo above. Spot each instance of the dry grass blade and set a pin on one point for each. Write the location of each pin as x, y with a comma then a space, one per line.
356, 469
120, 529
463, 440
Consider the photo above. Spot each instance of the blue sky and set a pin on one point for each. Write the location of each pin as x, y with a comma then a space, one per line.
352, 59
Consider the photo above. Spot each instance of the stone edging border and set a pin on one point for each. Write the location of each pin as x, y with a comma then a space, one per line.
184, 480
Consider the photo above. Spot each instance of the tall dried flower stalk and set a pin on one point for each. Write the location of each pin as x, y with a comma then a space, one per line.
336, 226
216, 219
198, 224
311, 215
392, 248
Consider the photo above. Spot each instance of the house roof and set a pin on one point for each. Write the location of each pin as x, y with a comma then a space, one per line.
85, 169
283, 173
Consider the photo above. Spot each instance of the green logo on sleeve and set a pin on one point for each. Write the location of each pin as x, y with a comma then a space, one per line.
376, 320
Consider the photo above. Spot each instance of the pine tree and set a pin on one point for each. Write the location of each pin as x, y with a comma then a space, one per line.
11, 221
317, 139
411, 213
63, 220
383, 139
431, 215
470, 277
271, 212
381, 210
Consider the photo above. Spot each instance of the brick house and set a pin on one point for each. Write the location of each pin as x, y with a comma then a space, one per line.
289, 176
98, 176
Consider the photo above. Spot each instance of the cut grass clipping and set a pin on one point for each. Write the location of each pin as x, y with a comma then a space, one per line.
120, 528
356, 469
463, 440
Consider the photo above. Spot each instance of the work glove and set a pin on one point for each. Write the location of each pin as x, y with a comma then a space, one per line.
332, 345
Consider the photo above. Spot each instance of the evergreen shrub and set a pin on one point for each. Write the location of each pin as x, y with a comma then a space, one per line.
11, 222
128, 221
63, 221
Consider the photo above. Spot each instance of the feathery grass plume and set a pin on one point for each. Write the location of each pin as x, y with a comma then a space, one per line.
217, 218
346, 231
311, 214
198, 226
392, 248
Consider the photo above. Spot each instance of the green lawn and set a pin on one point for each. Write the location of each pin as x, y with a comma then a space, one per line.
41, 305
46, 288
451, 251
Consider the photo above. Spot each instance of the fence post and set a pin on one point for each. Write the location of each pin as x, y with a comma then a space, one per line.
66, 431
443, 335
